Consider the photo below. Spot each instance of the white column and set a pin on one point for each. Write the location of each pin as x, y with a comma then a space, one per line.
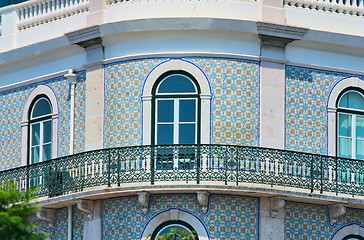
272, 11
271, 228
72, 80
8, 27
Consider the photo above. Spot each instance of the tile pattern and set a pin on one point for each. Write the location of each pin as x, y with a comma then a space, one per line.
307, 92
235, 103
77, 224
123, 107
59, 232
11, 110
229, 217
311, 222
80, 109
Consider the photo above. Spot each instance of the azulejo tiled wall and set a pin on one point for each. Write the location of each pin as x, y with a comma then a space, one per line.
234, 106
311, 222
60, 229
307, 92
228, 217
235, 103
12, 108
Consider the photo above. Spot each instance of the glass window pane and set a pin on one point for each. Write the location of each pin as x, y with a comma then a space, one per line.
35, 133
360, 149
187, 134
47, 152
35, 154
47, 131
353, 100
164, 134
176, 83
41, 108
187, 110
345, 125
165, 110
360, 127
345, 147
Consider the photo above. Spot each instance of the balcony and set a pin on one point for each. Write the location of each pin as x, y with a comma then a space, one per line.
218, 165
35, 21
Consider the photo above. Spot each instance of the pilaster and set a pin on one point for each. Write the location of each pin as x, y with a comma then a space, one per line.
90, 39
271, 225
274, 39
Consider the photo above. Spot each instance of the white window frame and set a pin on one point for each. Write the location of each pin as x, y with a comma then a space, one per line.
353, 124
205, 97
332, 118
25, 124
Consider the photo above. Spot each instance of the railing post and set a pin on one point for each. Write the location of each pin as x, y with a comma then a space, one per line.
152, 165
119, 167
312, 172
109, 169
198, 167
321, 174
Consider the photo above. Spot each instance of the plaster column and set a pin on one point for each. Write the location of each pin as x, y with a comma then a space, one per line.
92, 228
274, 39
90, 40
96, 15
8, 28
271, 227
272, 11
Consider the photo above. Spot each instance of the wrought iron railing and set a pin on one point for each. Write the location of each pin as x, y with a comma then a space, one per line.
190, 163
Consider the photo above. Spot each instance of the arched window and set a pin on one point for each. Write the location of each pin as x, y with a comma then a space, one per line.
176, 110
40, 130
350, 122
39, 126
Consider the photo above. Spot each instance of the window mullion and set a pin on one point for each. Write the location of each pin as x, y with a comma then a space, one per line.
176, 121
41, 141
353, 134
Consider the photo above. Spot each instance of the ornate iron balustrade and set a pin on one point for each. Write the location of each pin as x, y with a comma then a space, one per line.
190, 163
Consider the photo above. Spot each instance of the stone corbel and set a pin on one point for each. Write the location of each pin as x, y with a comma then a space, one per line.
203, 200
143, 198
336, 211
87, 207
48, 215
275, 205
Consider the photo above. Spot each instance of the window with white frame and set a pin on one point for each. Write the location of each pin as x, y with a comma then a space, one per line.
350, 123
40, 130
176, 110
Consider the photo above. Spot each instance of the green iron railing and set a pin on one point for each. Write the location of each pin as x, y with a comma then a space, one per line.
190, 163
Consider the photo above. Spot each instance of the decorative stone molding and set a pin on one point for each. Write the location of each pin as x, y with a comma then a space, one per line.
48, 215
274, 39
275, 205
203, 200
143, 199
87, 207
174, 214
336, 211
90, 39
279, 35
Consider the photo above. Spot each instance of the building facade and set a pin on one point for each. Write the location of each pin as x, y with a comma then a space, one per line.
234, 119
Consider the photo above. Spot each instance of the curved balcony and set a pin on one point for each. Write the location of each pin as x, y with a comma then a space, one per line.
192, 164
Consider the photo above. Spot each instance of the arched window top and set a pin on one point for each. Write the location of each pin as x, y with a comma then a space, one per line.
176, 83
42, 107
352, 100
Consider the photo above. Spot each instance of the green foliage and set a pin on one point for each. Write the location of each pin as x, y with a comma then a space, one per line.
15, 209
178, 234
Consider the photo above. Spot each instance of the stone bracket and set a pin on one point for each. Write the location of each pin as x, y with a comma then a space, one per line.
143, 198
275, 205
336, 211
203, 200
48, 215
87, 207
